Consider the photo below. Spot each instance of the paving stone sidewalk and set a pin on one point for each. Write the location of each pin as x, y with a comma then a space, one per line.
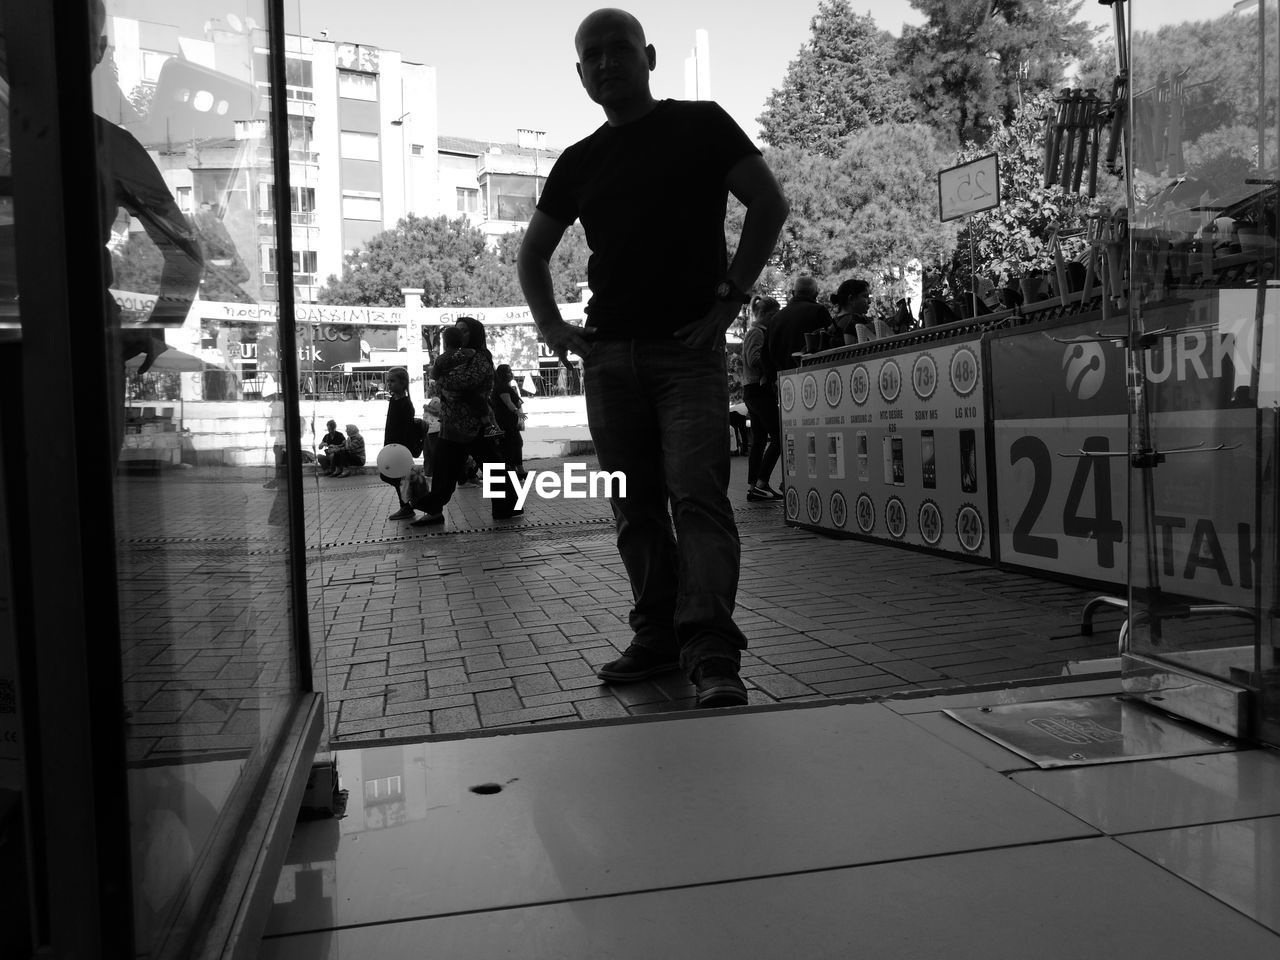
481, 624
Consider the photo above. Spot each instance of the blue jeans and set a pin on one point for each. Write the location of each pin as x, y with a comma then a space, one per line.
659, 412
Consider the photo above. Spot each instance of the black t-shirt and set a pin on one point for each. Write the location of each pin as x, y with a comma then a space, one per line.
507, 419
786, 332
651, 196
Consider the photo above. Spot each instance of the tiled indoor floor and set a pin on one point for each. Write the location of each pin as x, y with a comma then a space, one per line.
823, 830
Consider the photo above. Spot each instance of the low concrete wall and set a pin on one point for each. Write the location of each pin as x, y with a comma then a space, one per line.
245, 432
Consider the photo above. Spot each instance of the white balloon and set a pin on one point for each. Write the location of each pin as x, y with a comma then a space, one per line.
395, 461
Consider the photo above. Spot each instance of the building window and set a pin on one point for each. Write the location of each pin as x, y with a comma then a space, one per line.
358, 146
184, 199
300, 137
302, 200
468, 200
297, 72
383, 788
361, 208
152, 62
416, 149
357, 86
304, 261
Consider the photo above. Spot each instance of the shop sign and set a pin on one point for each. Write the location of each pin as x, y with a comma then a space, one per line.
969, 188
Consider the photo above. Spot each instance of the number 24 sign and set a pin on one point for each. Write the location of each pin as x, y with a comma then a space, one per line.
969, 188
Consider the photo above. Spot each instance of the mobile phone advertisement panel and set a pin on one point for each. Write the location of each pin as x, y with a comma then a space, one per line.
890, 447
1059, 406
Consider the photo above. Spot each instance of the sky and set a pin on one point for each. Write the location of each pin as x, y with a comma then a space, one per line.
505, 64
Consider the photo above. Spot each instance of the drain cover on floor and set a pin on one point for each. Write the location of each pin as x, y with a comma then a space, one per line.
1064, 733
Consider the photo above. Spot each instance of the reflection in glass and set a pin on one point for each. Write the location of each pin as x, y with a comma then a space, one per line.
201, 514
1202, 261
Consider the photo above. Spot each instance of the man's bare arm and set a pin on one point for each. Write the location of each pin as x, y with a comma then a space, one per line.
533, 264
752, 182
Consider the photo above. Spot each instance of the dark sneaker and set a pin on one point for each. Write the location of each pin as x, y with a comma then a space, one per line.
768, 491
428, 519
718, 684
637, 663
404, 513
755, 493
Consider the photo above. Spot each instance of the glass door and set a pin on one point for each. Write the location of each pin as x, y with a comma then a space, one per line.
1203, 298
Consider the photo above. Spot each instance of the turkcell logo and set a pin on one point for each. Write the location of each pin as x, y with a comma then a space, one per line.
573, 482
1085, 366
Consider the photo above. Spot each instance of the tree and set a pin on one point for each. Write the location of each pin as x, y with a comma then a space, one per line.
867, 211
974, 62
840, 82
568, 263
1012, 240
453, 264
444, 257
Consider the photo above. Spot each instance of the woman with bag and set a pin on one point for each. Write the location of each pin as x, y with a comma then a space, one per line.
464, 427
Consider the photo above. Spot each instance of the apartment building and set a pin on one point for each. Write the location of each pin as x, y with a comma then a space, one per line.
364, 146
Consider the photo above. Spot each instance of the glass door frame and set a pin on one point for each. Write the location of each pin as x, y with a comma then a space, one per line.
62, 533
1179, 681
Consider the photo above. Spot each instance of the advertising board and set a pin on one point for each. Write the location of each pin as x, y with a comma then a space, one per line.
1061, 447
891, 447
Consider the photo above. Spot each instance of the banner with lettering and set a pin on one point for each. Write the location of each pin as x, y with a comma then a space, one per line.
890, 447
1062, 450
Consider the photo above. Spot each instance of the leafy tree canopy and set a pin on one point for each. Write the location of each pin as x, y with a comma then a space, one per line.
1216, 63
451, 261
866, 212
974, 62
440, 255
1012, 240
840, 82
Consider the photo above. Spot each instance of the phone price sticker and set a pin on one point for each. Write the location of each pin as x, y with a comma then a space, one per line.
969, 528
788, 393
924, 376
809, 391
864, 512
859, 384
964, 371
793, 503
813, 505
834, 388
930, 522
890, 380
839, 510
895, 518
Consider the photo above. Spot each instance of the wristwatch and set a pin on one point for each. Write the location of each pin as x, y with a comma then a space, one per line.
726, 289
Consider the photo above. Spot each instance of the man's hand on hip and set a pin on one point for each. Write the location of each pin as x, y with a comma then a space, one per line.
709, 331
564, 338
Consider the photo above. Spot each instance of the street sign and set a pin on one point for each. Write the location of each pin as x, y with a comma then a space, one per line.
969, 188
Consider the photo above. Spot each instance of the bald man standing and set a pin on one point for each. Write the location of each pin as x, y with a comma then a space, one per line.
650, 187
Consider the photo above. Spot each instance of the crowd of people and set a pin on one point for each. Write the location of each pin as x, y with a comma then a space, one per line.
475, 415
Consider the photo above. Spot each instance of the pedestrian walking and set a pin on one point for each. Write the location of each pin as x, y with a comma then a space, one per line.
651, 187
